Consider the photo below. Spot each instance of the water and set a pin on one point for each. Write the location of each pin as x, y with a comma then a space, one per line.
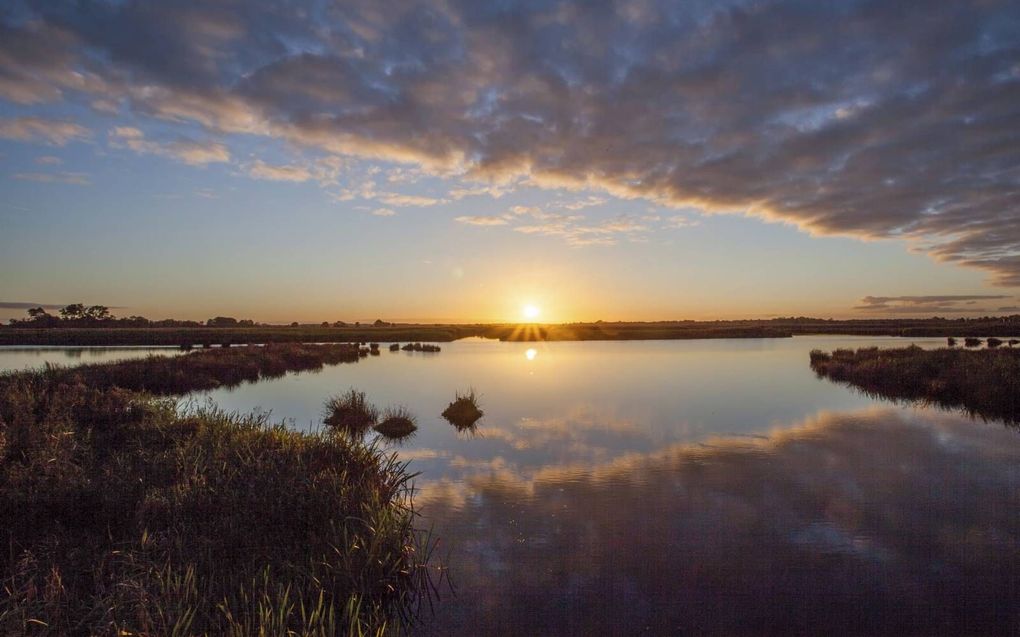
690, 487
17, 357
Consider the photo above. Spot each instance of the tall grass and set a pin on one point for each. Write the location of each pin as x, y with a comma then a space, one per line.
983, 382
126, 514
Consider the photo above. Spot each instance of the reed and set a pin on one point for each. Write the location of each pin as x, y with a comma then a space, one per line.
983, 382
350, 413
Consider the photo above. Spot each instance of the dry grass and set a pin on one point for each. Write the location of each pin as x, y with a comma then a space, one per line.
983, 382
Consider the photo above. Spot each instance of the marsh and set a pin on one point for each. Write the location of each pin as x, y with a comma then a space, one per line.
771, 500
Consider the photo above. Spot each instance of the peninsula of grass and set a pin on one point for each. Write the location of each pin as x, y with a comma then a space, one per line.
197, 371
985, 382
126, 514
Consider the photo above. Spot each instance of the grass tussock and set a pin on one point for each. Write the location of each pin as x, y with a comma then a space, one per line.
135, 516
983, 382
464, 412
397, 424
350, 413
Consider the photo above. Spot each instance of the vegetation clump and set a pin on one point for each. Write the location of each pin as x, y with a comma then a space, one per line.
463, 413
983, 382
350, 413
129, 515
420, 347
397, 424
395, 347
971, 341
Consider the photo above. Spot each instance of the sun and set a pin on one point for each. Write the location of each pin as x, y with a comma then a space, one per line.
530, 311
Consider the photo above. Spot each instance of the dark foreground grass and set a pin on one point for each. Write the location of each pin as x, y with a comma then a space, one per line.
124, 514
985, 382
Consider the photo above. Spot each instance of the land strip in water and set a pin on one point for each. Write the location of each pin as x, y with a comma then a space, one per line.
606, 331
984, 382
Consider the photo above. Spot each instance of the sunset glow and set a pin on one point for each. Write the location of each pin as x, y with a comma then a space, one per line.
530, 312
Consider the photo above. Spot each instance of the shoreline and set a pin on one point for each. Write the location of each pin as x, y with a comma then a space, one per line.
443, 333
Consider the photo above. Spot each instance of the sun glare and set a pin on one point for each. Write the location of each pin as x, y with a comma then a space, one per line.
530, 311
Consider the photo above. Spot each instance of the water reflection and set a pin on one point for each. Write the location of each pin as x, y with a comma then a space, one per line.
18, 357
875, 521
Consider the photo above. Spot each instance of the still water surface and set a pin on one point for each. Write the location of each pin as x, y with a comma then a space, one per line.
690, 487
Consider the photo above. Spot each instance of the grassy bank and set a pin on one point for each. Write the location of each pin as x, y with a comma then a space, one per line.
983, 382
125, 515
199, 336
197, 371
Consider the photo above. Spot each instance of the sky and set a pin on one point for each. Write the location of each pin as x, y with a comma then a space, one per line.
449, 160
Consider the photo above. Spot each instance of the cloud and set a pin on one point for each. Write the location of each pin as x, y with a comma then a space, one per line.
855, 119
48, 160
927, 304
481, 220
1009, 308
74, 179
383, 212
188, 151
24, 305
325, 170
53, 132
262, 170
603, 233
396, 199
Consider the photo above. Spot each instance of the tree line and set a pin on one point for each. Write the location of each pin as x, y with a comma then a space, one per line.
81, 315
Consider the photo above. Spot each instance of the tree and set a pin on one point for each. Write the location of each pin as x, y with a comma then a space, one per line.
73, 312
222, 321
97, 313
37, 313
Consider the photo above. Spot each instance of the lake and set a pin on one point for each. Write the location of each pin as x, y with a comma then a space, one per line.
683, 487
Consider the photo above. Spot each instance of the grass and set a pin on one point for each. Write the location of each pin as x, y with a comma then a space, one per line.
199, 370
984, 382
397, 423
464, 413
1008, 326
136, 516
350, 413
